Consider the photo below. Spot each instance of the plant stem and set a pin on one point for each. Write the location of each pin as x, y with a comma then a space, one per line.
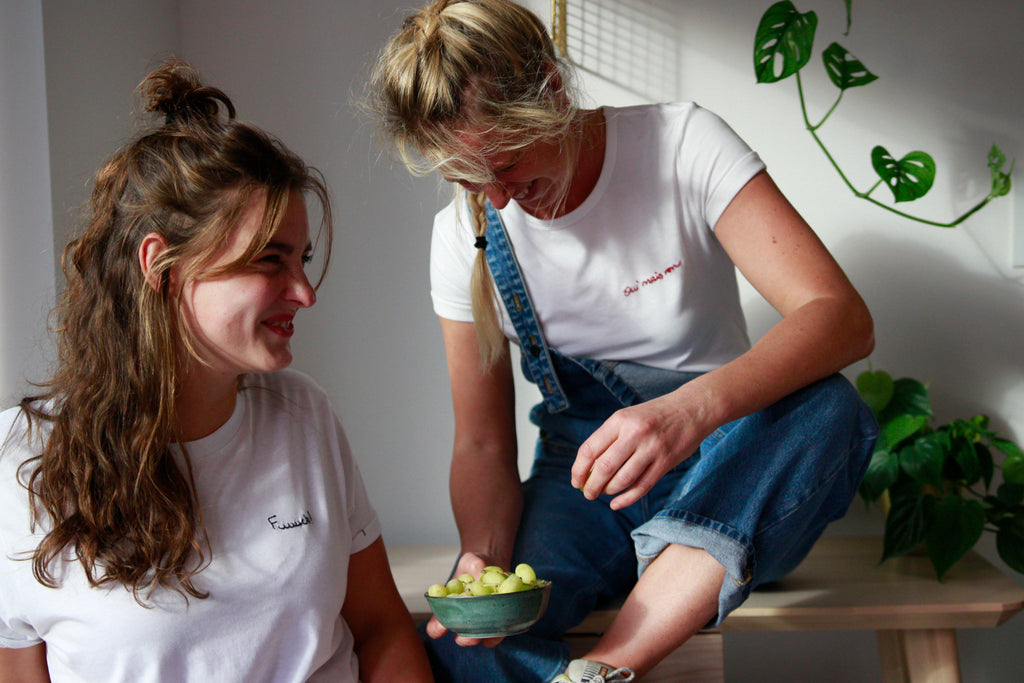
827, 114
812, 129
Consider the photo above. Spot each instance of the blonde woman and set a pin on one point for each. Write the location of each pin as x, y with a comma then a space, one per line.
603, 242
176, 505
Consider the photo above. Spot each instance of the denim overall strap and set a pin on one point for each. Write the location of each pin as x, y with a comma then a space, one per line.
509, 281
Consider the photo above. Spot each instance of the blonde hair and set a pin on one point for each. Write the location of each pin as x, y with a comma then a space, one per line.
106, 478
481, 67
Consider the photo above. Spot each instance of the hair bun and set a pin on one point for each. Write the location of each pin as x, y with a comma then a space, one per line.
175, 90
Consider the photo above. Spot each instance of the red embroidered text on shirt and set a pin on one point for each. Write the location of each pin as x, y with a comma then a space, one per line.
635, 287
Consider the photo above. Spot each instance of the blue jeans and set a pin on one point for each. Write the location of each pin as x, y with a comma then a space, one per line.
756, 496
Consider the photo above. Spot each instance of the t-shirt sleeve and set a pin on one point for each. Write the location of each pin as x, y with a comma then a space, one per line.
15, 538
16, 634
715, 162
452, 253
363, 520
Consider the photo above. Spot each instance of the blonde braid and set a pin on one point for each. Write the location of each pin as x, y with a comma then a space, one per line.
486, 313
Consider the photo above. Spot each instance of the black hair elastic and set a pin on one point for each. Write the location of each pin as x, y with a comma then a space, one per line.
481, 242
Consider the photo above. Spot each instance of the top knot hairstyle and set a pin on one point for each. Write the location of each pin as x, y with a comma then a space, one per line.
484, 67
106, 484
176, 92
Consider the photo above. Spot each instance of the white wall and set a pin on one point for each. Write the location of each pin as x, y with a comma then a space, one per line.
25, 226
948, 309
96, 53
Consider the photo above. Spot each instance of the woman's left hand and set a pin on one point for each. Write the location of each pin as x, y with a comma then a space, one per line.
636, 446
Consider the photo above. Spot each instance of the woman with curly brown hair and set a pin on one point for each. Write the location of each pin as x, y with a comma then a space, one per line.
176, 505
604, 243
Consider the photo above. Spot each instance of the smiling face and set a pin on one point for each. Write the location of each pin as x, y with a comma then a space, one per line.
537, 176
242, 320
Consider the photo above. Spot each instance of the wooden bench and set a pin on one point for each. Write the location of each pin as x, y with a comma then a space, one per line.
840, 586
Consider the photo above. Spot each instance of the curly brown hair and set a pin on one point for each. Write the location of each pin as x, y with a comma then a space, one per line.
106, 484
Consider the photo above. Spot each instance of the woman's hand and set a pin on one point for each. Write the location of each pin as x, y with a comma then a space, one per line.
636, 446
472, 564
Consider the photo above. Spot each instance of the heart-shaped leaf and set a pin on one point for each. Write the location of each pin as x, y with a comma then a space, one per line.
783, 42
901, 427
1011, 449
956, 527
1010, 541
908, 396
924, 459
882, 472
909, 178
845, 70
966, 458
907, 523
875, 388
1013, 470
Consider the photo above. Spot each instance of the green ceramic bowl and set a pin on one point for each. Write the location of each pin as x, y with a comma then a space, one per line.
490, 616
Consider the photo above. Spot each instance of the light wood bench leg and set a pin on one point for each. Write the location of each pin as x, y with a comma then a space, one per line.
698, 660
919, 656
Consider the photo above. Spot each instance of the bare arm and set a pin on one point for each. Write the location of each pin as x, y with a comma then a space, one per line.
386, 642
825, 326
24, 665
484, 485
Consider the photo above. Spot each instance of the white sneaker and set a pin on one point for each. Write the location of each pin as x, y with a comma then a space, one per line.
586, 671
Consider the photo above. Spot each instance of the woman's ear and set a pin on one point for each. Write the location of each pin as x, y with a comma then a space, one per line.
151, 247
555, 83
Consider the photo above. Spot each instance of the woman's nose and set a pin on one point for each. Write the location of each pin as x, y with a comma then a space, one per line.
498, 194
301, 291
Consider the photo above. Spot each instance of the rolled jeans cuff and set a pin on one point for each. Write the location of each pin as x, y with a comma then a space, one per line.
724, 543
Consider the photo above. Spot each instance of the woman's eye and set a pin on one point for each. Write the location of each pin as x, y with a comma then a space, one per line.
307, 258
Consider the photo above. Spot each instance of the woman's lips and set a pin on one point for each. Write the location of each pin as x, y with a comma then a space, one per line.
280, 325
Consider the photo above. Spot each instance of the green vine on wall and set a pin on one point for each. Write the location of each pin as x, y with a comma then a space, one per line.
783, 46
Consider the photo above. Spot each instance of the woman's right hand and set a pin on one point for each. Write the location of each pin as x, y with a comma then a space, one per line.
472, 564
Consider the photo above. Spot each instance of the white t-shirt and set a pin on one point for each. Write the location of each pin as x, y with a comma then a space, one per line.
285, 507
634, 273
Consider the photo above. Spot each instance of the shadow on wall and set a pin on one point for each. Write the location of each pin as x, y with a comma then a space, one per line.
961, 332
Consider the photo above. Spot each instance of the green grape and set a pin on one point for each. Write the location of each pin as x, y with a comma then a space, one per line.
437, 591
455, 587
513, 584
479, 588
493, 577
526, 573
467, 578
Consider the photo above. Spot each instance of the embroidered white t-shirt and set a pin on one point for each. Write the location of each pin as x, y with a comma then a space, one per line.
284, 504
634, 273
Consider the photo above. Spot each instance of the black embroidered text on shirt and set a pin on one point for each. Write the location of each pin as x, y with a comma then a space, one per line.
282, 526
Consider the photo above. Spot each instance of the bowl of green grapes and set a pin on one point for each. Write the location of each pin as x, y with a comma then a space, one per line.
496, 603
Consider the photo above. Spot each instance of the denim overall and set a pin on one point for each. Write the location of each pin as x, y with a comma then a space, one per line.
756, 496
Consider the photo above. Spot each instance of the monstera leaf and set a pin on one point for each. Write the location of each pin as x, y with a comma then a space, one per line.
783, 42
909, 178
845, 70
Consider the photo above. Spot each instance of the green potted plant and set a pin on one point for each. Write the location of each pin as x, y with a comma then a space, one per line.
935, 482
